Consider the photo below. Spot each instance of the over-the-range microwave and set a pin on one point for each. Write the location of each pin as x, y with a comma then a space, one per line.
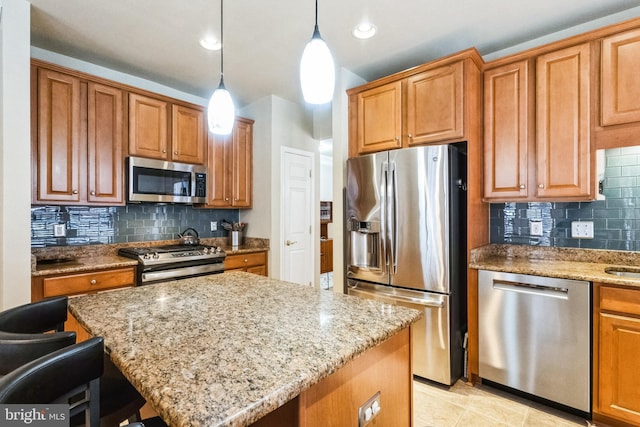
160, 181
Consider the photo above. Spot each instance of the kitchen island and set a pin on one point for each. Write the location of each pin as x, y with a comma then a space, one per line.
232, 348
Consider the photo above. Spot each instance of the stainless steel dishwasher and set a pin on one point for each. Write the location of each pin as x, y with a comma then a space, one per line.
535, 336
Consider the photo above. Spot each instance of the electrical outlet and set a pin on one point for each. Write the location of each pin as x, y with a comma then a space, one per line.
214, 225
535, 228
59, 230
368, 411
582, 229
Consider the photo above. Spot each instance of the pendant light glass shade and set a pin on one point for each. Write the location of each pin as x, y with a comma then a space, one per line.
221, 111
317, 70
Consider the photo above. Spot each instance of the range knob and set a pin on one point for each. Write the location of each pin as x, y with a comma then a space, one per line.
156, 255
146, 256
205, 250
218, 249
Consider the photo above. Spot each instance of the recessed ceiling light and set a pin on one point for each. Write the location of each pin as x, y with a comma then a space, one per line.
364, 30
210, 43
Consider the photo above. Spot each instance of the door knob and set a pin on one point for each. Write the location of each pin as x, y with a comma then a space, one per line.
289, 242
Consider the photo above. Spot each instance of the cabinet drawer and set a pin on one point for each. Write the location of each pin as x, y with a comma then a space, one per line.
245, 260
88, 282
620, 299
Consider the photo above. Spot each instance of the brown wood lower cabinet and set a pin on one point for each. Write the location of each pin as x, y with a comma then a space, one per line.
80, 284
335, 400
616, 350
326, 256
254, 262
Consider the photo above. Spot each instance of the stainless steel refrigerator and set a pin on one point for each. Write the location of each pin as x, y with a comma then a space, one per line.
406, 245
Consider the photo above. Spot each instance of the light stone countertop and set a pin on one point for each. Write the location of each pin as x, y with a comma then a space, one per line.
566, 263
227, 349
78, 259
80, 264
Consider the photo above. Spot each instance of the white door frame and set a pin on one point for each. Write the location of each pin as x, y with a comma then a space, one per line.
312, 211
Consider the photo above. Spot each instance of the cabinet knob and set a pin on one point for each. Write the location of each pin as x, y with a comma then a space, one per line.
93, 193
75, 191
164, 151
522, 187
93, 281
226, 199
410, 136
540, 185
246, 260
175, 152
397, 138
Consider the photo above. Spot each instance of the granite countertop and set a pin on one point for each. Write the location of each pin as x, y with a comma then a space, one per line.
227, 349
566, 263
76, 259
80, 264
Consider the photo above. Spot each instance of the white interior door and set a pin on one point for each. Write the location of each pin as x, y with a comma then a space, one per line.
297, 216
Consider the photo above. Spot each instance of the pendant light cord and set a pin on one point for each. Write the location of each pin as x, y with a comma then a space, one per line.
316, 14
222, 41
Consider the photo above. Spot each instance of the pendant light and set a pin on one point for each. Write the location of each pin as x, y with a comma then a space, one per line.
221, 111
317, 71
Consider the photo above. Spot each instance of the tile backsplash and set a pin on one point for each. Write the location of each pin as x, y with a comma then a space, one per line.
86, 225
616, 220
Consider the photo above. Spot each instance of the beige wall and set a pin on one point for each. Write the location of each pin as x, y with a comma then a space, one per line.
15, 165
283, 124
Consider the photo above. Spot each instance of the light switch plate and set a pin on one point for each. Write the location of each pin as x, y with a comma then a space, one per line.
214, 225
582, 229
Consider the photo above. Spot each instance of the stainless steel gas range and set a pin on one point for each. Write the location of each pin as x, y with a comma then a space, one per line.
163, 263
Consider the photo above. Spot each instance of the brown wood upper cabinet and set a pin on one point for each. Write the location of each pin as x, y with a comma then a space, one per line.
507, 109
435, 104
422, 105
77, 140
230, 164
154, 134
620, 86
563, 132
557, 163
618, 122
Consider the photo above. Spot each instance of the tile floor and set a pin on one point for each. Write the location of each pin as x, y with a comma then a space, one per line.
462, 405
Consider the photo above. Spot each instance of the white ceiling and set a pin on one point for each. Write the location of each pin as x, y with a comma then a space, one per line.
158, 39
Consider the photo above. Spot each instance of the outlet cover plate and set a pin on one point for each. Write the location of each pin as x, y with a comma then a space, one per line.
214, 225
59, 230
535, 228
582, 229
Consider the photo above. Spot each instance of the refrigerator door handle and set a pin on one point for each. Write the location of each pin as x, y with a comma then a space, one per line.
383, 213
391, 207
422, 301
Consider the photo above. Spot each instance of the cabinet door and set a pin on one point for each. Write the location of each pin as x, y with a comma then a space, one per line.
379, 118
620, 86
506, 135
326, 255
219, 171
105, 117
148, 127
562, 123
59, 137
242, 165
187, 134
435, 105
619, 376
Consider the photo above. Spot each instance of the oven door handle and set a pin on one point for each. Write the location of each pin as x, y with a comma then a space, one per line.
178, 273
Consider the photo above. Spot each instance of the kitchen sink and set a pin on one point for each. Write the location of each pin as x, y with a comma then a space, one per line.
632, 272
